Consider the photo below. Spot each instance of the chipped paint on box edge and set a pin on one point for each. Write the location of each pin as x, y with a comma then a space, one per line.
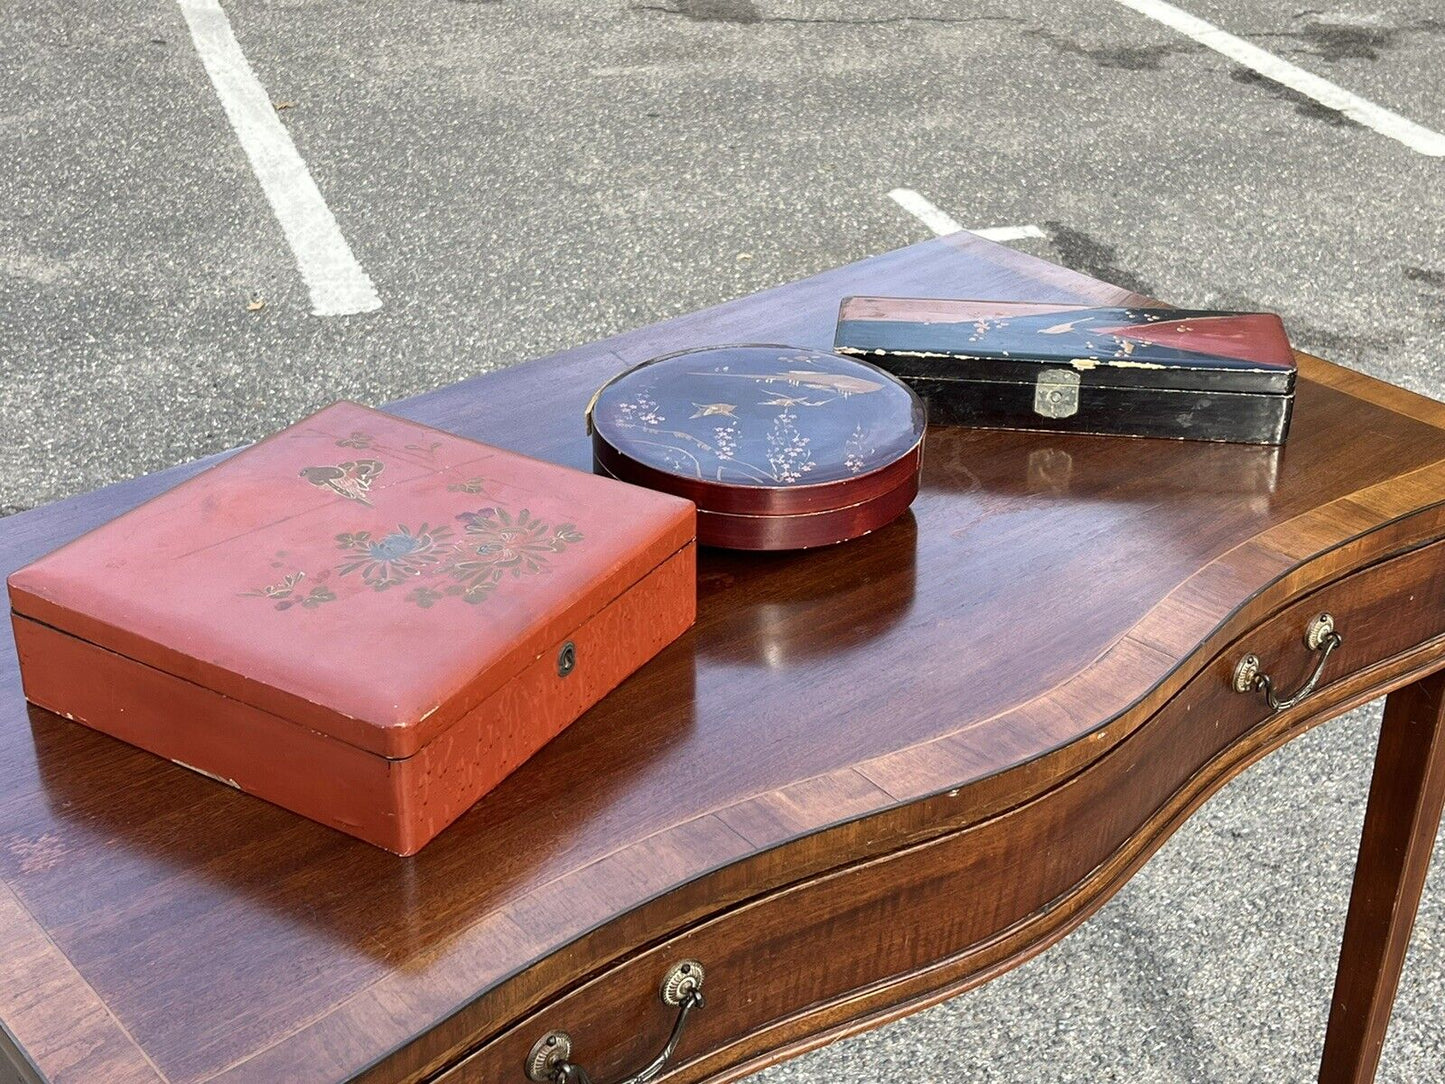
1117, 363
1078, 363
209, 775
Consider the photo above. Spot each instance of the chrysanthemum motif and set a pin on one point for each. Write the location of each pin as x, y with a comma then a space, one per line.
387, 560
497, 543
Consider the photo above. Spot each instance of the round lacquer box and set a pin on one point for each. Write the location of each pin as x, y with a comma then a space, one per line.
780, 448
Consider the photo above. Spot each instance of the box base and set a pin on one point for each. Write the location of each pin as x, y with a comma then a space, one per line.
1230, 417
802, 530
399, 805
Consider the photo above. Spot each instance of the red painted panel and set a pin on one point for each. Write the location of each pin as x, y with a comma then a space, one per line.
358, 591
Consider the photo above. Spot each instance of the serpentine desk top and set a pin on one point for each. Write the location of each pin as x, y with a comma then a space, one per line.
1041, 598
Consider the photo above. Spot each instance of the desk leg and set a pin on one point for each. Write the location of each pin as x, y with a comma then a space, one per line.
1406, 795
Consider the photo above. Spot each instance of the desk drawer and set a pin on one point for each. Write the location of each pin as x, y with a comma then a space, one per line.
1375, 614
863, 942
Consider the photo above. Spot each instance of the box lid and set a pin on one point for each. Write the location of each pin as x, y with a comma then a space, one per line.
359, 574
1111, 347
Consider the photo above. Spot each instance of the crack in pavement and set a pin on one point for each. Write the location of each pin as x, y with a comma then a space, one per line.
1120, 57
746, 12
1435, 280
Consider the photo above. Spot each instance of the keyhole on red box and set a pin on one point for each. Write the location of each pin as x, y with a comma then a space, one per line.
567, 659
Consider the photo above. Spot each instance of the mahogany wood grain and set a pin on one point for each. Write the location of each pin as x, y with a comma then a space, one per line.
806, 949
1034, 619
1407, 794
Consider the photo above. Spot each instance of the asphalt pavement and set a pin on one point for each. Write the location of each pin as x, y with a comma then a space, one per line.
519, 176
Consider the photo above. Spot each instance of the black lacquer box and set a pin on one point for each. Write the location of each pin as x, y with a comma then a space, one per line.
1145, 372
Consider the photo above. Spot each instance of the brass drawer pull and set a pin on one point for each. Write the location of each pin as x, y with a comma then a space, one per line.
550, 1057
1319, 636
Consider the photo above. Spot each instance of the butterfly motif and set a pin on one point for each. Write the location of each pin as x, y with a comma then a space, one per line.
280, 590
351, 479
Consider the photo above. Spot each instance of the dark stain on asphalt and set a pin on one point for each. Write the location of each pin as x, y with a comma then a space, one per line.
1147, 966
1341, 346
1357, 348
1435, 280
1134, 58
711, 11
1334, 42
1303, 104
1084, 253
1431, 285
744, 11
1226, 299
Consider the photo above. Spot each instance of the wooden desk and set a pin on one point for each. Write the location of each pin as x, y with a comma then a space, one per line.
871, 777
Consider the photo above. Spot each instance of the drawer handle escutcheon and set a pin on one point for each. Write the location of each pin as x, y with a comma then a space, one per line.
550, 1060
1320, 636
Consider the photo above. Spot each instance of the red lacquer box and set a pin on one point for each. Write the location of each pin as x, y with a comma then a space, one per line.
362, 619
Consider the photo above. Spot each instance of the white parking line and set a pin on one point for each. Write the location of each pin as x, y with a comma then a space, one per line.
942, 223
338, 284
1008, 233
1382, 120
